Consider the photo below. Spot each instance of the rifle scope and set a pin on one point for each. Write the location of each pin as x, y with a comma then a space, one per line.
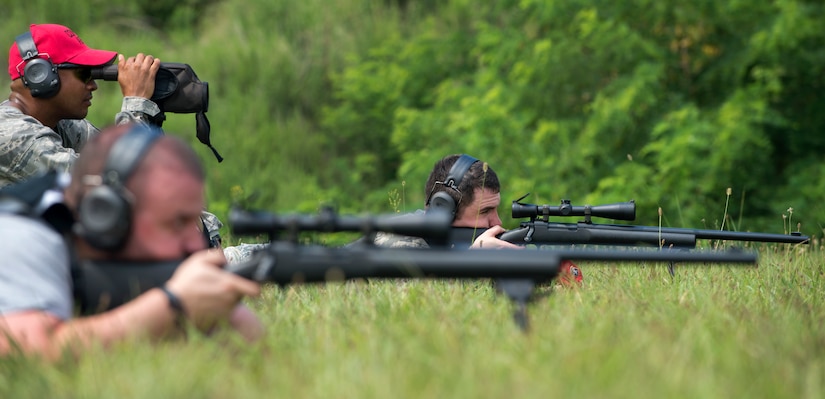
434, 225
617, 211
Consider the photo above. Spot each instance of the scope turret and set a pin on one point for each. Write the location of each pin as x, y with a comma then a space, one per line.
616, 211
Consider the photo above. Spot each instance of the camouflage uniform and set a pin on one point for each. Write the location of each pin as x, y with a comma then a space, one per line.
388, 240
241, 252
28, 148
213, 226
234, 254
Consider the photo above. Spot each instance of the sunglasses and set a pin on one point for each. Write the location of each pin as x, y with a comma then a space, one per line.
82, 73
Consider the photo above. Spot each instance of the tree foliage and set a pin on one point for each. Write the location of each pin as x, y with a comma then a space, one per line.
669, 103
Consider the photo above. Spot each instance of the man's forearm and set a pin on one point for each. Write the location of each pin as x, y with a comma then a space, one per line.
148, 316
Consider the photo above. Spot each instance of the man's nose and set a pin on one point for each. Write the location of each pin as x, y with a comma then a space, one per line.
494, 219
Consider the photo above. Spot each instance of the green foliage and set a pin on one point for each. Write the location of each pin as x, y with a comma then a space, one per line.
605, 101
338, 102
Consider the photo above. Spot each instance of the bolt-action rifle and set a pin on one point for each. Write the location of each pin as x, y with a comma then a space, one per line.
287, 261
518, 271
540, 230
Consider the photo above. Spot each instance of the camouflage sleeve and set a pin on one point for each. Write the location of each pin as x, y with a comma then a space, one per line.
387, 240
136, 109
213, 227
241, 252
236, 254
28, 148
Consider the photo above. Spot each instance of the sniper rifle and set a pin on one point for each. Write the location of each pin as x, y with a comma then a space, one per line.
540, 230
286, 261
518, 271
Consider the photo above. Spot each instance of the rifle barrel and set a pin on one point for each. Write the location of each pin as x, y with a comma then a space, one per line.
286, 263
571, 233
793, 238
540, 232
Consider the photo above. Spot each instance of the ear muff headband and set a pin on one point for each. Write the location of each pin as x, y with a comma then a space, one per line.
127, 152
105, 212
39, 74
442, 200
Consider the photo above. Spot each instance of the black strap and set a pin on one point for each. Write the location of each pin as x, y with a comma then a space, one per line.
26, 46
203, 128
460, 168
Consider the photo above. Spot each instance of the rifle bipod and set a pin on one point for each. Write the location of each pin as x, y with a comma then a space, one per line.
520, 292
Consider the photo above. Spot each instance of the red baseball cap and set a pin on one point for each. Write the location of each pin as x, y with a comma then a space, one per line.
59, 44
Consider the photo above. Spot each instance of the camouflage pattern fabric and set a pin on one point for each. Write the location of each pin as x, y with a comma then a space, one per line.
28, 148
212, 225
236, 254
241, 252
388, 240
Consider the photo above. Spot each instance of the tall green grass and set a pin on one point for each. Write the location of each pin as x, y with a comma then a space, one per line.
630, 331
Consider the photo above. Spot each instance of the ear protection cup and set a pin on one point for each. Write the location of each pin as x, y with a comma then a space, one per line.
39, 74
105, 212
442, 200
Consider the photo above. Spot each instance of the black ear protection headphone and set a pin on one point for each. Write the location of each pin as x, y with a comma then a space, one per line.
105, 212
39, 74
442, 200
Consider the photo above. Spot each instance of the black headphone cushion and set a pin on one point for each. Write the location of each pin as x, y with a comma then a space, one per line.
444, 202
41, 77
105, 218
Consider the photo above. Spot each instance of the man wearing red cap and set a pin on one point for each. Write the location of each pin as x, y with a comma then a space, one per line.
42, 124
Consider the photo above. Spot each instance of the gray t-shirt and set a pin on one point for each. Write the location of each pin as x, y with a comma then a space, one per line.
35, 273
